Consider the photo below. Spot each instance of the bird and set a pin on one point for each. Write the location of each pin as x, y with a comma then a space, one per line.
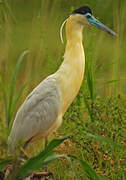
43, 109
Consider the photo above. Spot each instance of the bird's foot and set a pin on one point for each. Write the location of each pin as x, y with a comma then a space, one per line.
8, 170
42, 176
1, 175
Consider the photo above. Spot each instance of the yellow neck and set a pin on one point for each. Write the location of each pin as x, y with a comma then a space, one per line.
73, 31
70, 73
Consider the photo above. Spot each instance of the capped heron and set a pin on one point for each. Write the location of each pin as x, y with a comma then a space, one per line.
42, 111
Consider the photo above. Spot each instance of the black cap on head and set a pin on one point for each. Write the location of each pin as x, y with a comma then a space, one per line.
82, 10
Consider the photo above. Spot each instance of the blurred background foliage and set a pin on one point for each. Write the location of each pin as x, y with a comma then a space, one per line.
35, 25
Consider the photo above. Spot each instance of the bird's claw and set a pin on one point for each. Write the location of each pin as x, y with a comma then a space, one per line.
42, 176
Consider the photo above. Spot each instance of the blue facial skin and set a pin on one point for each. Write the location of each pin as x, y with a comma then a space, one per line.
93, 21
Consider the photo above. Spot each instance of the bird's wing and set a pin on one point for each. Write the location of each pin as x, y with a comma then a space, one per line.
38, 113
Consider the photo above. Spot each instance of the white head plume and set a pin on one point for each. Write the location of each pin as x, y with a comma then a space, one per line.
61, 30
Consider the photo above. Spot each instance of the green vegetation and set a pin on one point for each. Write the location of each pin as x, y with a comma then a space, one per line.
31, 49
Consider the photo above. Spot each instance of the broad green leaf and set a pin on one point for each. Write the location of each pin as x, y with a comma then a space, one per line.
36, 162
56, 156
88, 170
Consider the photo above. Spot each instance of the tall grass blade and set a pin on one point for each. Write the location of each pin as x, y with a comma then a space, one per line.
16, 70
16, 101
90, 80
88, 107
104, 67
90, 88
106, 140
89, 171
7, 7
106, 83
2, 84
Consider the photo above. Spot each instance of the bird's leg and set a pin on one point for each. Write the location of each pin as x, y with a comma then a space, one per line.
46, 167
46, 144
23, 154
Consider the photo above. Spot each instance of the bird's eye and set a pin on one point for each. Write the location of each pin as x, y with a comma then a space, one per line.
88, 16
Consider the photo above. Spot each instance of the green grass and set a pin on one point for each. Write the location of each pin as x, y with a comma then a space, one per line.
99, 108
109, 123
